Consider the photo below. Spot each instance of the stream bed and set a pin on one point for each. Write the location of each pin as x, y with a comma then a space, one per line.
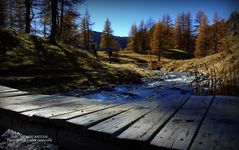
163, 84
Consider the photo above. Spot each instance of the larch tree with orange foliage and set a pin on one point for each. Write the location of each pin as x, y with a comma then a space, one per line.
158, 42
201, 40
132, 42
106, 37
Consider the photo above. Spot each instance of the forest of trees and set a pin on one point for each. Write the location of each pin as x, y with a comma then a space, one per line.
200, 37
60, 20
54, 18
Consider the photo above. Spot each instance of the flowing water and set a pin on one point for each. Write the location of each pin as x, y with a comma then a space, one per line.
163, 84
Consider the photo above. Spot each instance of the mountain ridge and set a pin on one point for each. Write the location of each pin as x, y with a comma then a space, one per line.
121, 39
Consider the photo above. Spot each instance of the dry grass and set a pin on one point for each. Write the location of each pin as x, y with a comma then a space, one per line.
221, 69
33, 64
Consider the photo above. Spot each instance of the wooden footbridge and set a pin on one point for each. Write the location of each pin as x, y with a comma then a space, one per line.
176, 122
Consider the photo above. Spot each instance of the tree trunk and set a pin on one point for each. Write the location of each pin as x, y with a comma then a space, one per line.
27, 17
11, 15
44, 30
2, 15
53, 20
61, 21
88, 36
159, 59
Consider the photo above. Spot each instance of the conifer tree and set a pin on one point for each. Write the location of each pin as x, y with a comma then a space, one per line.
215, 33
199, 16
150, 29
202, 40
132, 42
2, 14
143, 36
85, 31
65, 7
222, 40
106, 37
188, 32
70, 28
158, 42
45, 14
54, 14
178, 33
168, 30
233, 23
183, 37
28, 18
20, 15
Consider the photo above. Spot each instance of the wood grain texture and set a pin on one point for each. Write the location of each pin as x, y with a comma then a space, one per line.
4, 89
96, 117
23, 99
12, 94
22, 107
144, 128
220, 129
119, 122
179, 131
198, 122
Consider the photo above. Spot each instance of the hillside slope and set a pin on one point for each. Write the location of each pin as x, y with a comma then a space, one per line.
31, 63
222, 68
219, 60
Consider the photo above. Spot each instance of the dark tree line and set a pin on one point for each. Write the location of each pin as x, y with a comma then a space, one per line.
59, 20
31, 16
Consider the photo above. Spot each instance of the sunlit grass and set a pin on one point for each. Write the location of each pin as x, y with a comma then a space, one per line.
35, 65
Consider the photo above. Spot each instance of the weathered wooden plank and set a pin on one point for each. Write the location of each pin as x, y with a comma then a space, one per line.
4, 89
42, 104
180, 130
66, 108
34, 98
75, 114
220, 129
23, 99
94, 118
84, 111
8, 91
152, 122
12, 94
64, 137
119, 122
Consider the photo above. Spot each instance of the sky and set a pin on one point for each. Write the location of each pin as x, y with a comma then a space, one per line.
123, 13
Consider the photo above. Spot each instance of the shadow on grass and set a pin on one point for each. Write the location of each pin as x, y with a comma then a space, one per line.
7, 41
177, 54
41, 52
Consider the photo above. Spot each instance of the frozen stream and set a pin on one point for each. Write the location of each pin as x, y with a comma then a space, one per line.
161, 85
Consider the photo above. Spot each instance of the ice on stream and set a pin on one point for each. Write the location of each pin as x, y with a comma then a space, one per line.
162, 85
